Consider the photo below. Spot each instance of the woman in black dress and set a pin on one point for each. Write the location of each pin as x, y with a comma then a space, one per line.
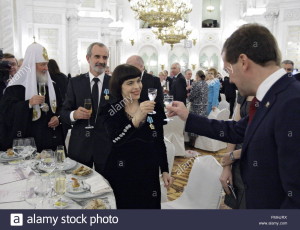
138, 149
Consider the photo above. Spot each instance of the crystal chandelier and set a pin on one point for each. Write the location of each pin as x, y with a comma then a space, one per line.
161, 13
173, 34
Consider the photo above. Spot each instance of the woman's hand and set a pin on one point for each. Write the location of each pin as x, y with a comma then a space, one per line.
226, 178
147, 107
168, 180
140, 115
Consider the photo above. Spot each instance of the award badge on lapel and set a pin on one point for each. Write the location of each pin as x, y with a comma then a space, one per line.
106, 91
150, 121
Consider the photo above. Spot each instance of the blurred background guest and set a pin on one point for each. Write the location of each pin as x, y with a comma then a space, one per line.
198, 99
213, 90
230, 93
58, 77
178, 89
188, 77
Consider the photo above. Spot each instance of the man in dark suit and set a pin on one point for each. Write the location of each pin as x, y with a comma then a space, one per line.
89, 146
178, 89
148, 80
188, 77
230, 93
270, 156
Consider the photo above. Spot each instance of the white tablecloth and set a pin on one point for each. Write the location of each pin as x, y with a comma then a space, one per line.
18, 188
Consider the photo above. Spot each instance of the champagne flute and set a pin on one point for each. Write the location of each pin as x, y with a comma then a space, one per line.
53, 108
152, 95
88, 106
168, 100
42, 91
60, 157
60, 188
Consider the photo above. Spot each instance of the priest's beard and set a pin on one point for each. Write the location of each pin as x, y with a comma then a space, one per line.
41, 77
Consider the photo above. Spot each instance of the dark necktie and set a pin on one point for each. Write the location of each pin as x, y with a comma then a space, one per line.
252, 110
95, 95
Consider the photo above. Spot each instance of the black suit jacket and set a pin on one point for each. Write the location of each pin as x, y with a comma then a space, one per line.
149, 81
178, 89
270, 156
191, 82
86, 146
170, 80
2, 87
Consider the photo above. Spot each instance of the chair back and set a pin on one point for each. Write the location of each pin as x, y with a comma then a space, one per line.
223, 103
173, 131
204, 187
203, 190
223, 115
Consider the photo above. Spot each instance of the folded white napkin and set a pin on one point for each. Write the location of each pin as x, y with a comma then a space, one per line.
97, 184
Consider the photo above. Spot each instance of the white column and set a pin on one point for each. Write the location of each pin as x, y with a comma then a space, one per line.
271, 17
7, 26
73, 64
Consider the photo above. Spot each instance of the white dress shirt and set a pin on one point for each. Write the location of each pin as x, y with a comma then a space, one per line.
264, 87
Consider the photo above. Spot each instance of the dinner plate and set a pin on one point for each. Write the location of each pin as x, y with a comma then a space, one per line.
69, 164
86, 195
101, 204
80, 189
61, 204
4, 157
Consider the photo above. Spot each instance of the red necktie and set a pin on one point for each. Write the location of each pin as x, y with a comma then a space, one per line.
253, 107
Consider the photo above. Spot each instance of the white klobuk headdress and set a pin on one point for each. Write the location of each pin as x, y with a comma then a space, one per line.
26, 76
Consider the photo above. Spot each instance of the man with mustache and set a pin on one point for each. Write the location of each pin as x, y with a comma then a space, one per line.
89, 146
24, 112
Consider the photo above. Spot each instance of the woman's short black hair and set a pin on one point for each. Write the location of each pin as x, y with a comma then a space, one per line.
122, 73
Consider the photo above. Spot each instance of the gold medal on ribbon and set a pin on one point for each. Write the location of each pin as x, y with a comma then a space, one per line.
106, 97
151, 126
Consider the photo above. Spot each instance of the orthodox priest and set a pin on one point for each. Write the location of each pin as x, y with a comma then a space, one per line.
31, 103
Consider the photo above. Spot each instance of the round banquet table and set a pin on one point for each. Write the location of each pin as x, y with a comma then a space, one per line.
12, 193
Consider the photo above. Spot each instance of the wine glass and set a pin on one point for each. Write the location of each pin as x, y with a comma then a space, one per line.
53, 108
152, 95
42, 91
88, 106
48, 162
168, 100
30, 195
42, 188
60, 157
33, 146
29, 149
60, 188
18, 148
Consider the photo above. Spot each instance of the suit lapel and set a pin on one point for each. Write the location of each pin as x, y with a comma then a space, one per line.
264, 107
105, 95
